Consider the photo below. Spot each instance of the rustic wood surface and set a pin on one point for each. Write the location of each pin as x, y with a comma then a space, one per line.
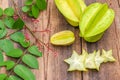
54, 68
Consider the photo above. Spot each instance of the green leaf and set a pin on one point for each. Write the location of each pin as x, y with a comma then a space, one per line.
12, 77
25, 8
18, 24
3, 76
29, 2
41, 4
35, 11
34, 50
15, 53
25, 44
9, 64
3, 30
18, 37
30, 14
1, 12
31, 61
9, 11
8, 45
24, 72
1, 57
8, 21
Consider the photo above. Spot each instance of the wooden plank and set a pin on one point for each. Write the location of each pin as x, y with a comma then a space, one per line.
51, 67
110, 40
54, 68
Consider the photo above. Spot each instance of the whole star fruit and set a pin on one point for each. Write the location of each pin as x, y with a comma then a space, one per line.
72, 10
96, 19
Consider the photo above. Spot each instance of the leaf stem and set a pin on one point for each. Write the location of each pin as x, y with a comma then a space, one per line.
18, 61
31, 32
9, 34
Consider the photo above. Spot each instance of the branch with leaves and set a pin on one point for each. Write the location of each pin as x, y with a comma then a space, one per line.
26, 55
34, 7
32, 32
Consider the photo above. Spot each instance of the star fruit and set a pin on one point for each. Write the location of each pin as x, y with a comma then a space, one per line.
76, 62
63, 38
107, 55
96, 19
71, 9
98, 60
88, 61
93, 60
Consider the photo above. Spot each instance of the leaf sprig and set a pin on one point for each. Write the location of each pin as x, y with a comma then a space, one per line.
34, 7
28, 56
31, 51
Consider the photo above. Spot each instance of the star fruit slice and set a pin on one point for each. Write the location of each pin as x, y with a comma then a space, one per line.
76, 62
98, 60
107, 55
63, 38
90, 61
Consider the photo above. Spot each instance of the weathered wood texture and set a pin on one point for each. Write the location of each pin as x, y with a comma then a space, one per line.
54, 68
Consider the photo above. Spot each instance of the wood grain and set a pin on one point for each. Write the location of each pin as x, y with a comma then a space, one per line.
54, 68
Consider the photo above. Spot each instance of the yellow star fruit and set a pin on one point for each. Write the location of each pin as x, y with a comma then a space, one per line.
107, 55
88, 61
76, 62
71, 9
98, 60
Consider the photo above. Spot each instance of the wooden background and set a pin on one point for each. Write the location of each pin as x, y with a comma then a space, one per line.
54, 68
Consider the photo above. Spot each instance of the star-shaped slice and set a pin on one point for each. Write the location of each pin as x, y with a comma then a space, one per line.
107, 55
98, 60
90, 61
76, 62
